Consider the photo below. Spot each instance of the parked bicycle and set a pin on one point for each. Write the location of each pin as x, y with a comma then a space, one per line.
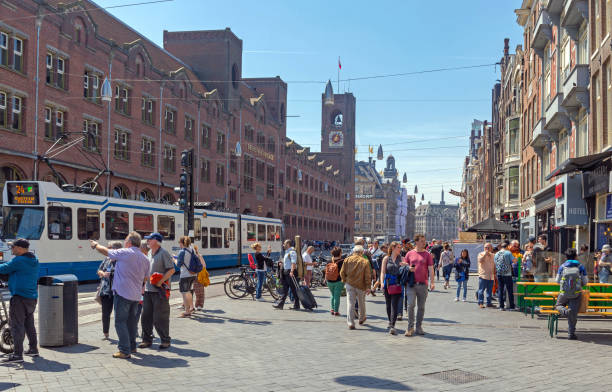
6, 339
240, 285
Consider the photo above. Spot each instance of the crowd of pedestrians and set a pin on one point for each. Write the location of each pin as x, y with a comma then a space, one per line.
135, 282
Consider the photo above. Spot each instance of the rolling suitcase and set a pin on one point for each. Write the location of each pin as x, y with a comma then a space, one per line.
305, 296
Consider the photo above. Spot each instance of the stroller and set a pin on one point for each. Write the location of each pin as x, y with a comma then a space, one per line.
6, 340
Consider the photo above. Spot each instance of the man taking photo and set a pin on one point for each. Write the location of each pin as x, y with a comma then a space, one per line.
23, 277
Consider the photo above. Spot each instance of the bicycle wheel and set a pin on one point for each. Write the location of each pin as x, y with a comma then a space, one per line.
239, 286
227, 286
6, 339
271, 285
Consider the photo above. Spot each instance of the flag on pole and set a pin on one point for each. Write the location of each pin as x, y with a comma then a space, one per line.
339, 63
371, 149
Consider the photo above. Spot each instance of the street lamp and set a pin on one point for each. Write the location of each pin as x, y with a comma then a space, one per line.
107, 95
107, 90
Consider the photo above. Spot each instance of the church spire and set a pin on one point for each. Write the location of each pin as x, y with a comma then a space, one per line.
442, 199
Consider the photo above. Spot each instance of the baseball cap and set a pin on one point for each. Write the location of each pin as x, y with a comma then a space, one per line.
21, 242
154, 236
606, 247
531, 238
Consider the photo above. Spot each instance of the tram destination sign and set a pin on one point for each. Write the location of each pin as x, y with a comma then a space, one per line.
23, 193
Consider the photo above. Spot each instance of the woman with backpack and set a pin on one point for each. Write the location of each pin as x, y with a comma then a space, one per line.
446, 263
260, 269
462, 273
390, 281
334, 282
187, 278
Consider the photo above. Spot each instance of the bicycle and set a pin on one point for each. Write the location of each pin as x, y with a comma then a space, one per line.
240, 285
6, 339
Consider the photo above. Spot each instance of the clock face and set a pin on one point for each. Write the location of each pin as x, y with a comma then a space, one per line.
338, 120
336, 139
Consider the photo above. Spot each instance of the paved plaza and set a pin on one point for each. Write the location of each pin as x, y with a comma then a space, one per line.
243, 345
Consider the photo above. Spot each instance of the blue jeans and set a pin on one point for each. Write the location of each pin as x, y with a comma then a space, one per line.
261, 277
446, 270
485, 284
464, 284
126, 323
604, 274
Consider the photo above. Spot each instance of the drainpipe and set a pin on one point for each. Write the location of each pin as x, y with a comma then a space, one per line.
159, 162
108, 136
197, 160
36, 80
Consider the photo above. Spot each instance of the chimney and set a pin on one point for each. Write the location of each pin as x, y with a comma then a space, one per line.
506, 46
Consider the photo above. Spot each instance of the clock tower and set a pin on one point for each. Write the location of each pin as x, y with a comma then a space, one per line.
338, 131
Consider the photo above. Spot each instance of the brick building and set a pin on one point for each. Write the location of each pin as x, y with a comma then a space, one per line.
54, 57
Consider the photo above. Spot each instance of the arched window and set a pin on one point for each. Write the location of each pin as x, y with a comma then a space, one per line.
121, 192
139, 62
168, 198
146, 195
9, 173
58, 180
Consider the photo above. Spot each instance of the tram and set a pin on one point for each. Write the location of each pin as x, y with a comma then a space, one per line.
60, 224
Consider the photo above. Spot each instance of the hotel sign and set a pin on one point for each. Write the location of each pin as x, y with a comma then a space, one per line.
260, 151
362, 196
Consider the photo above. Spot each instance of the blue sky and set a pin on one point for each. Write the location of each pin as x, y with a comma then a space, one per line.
423, 120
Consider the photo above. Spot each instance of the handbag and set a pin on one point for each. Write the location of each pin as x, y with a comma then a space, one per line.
394, 289
584, 301
204, 277
98, 296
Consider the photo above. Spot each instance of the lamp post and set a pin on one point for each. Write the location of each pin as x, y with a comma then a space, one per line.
107, 95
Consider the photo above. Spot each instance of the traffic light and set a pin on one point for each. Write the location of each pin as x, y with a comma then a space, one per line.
182, 190
186, 157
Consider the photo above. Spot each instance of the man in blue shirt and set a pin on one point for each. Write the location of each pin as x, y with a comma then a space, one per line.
23, 278
571, 277
503, 265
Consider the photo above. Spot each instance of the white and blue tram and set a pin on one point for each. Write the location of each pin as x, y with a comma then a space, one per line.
60, 224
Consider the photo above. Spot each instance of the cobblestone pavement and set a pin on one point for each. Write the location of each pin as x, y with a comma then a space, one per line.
242, 345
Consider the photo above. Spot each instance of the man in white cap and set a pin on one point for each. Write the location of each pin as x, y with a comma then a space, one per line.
605, 264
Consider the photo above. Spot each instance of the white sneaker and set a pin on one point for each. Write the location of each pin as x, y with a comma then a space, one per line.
464, 300
457, 299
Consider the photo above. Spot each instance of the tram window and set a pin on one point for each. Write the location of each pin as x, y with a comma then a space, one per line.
204, 237
117, 225
270, 233
278, 233
143, 224
165, 226
226, 237
261, 232
60, 223
250, 231
216, 237
88, 224
197, 229
232, 231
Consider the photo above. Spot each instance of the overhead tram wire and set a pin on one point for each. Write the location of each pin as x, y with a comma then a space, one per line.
74, 11
268, 81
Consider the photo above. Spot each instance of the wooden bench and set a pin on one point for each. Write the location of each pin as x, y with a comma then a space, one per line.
553, 318
533, 300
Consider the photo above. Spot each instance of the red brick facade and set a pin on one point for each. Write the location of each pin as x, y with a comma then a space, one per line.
190, 94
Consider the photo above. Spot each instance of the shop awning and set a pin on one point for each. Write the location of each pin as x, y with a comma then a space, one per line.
579, 164
492, 226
